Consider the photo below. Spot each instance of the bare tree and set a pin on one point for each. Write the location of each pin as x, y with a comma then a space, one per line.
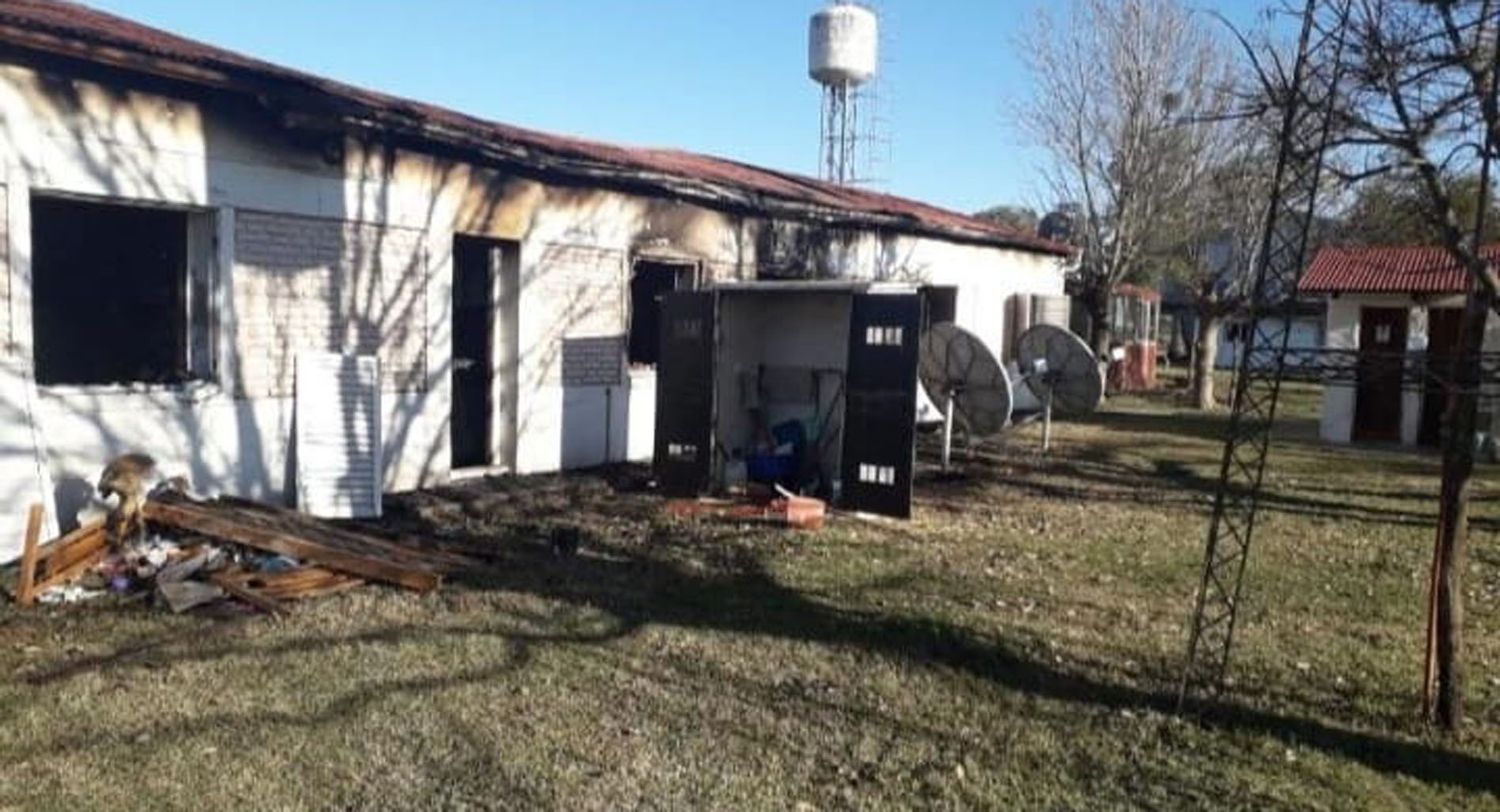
1211, 253
1420, 98
1121, 87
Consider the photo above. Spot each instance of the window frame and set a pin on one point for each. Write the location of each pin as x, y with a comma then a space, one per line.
685, 267
202, 277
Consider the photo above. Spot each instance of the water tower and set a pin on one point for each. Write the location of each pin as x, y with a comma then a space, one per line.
842, 52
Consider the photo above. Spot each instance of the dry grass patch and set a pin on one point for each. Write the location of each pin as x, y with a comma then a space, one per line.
1015, 645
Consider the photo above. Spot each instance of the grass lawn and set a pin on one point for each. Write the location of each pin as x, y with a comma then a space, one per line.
1016, 645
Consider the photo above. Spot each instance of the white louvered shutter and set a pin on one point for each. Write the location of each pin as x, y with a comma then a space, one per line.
1051, 310
339, 465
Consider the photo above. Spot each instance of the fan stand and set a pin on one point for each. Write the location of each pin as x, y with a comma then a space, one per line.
951, 399
1039, 372
1047, 421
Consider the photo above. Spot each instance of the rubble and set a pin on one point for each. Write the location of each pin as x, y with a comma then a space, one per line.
191, 552
785, 508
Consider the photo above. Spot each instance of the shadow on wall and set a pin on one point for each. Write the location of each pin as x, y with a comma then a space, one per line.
345, 289
325, 278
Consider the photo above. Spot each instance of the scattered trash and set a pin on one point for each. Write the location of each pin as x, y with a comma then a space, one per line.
70, 593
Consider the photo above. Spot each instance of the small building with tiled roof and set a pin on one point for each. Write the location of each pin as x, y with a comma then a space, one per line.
178, 221
1386, 304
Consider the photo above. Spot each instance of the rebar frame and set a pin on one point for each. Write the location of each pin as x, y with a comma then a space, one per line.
1305, 103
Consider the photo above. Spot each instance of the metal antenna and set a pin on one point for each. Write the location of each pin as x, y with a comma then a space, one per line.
1306, 109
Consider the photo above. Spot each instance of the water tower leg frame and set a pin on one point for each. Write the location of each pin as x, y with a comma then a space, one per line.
1279, 263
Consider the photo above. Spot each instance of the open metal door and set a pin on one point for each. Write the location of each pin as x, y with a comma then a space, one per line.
685, 393
881, 398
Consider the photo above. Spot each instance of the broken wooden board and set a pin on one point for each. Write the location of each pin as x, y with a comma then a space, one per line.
61, 561
265, 603
298, 584
26, 586
344, 551
294, 523
66, 551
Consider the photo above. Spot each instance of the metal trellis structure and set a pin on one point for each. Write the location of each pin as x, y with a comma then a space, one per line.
1305, 101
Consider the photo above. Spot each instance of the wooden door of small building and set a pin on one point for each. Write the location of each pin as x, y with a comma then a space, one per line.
1377, 399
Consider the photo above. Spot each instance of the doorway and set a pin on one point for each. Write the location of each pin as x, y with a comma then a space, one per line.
482, 420
1442, 343
1382, 352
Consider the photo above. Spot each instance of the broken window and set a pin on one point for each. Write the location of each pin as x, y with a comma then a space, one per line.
120, 294
650, 280
940, 304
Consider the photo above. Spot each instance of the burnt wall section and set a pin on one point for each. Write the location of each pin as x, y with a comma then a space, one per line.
315, 283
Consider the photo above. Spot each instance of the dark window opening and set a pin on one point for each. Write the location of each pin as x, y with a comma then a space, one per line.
112, 297
649, 282
939, 303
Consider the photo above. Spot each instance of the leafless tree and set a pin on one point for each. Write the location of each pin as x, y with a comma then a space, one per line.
1209, 250
1122, 87
1420, 98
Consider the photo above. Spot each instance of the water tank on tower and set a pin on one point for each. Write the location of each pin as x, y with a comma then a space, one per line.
842, 54
842, 45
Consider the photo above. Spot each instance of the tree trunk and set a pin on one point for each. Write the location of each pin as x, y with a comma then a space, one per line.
1207, 351
1450, 556
1098, 302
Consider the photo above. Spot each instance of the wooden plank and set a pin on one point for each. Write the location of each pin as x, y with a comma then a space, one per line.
290, 521
26, 587
262, 602
73, 571
57, 545
80, 547
200, 519
308, 582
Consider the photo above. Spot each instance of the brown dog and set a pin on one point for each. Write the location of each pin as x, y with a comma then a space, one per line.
129, 477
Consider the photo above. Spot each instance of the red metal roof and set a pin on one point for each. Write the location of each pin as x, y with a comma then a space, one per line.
1387, 269
80, 32
1126, 290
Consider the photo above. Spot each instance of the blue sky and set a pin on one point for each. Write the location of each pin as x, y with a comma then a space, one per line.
706, 75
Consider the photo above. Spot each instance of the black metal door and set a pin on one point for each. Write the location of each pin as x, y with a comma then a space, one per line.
880, 403
685, 393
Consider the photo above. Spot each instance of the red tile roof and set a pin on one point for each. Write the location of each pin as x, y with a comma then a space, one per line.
1387, 269
83, 33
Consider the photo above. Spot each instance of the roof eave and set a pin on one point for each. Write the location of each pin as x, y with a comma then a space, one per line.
500, 151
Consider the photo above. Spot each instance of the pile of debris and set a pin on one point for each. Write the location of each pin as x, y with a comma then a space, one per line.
189, 552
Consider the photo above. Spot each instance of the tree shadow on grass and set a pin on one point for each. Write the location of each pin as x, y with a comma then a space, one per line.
1098, 474
664, 578
749, 600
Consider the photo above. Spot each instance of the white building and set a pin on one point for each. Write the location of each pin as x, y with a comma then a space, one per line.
178, 221
1389, 307
1306, 334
